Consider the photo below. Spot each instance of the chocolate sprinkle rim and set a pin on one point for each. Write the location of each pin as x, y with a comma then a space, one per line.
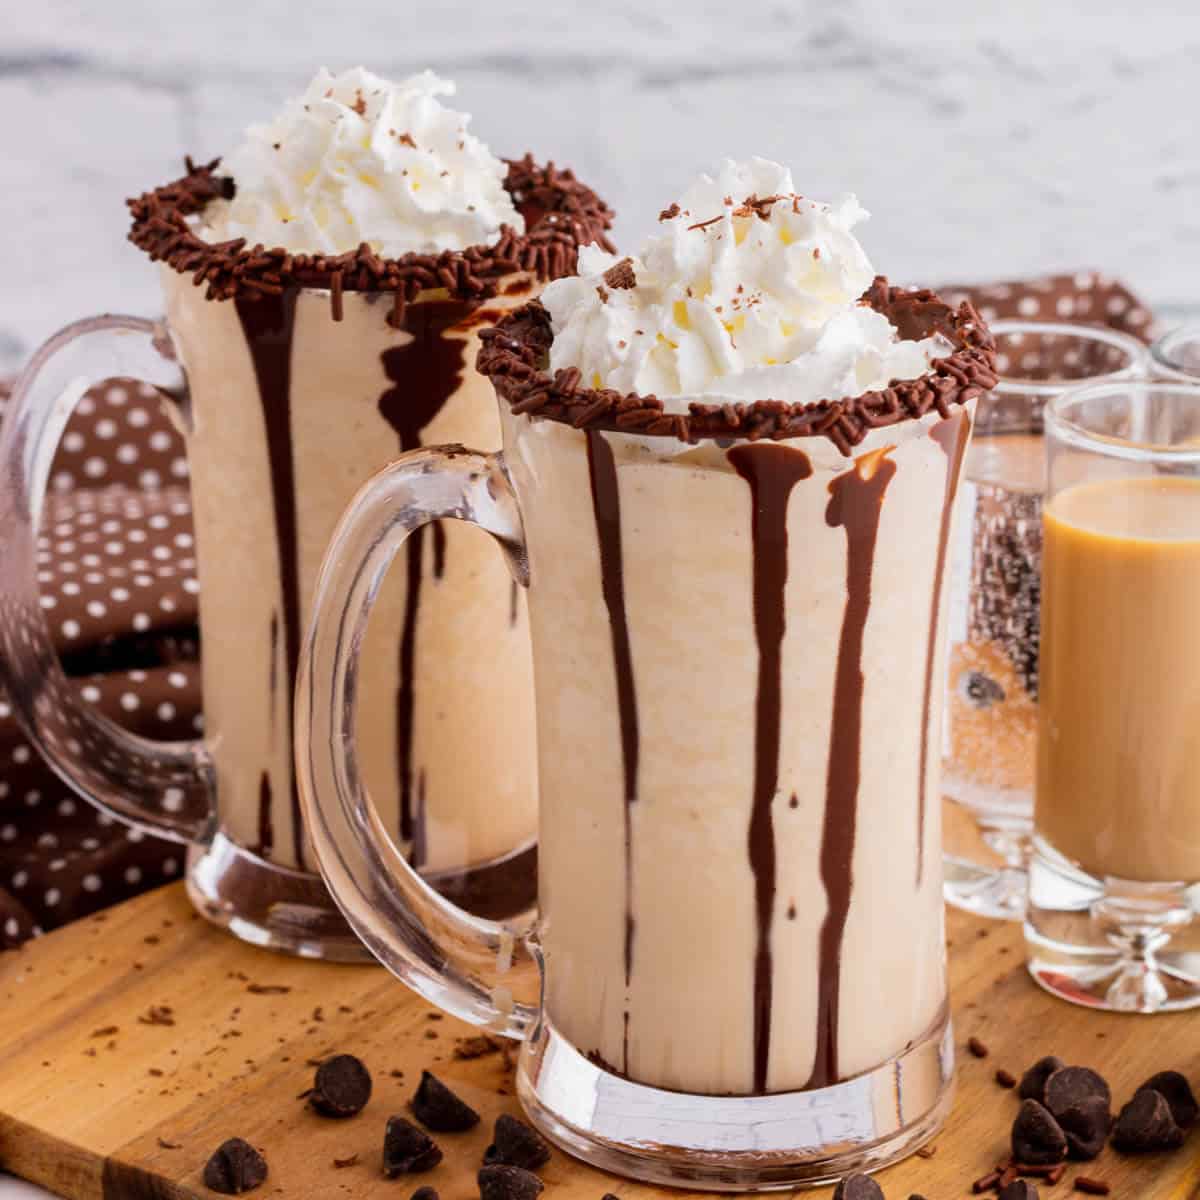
514, 355
561, 215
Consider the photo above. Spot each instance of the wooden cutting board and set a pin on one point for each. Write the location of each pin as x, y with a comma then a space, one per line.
135, 1042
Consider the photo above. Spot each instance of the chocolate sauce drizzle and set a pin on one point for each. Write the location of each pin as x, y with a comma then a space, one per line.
771, 472
951, 437
606, 507
855, 505
426, 372
267, 324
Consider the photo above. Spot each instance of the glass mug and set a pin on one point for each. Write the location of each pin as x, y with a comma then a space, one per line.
1114, 887
730, 714
285, 411
995, 583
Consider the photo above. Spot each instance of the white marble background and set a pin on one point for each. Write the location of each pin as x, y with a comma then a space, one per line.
989, 138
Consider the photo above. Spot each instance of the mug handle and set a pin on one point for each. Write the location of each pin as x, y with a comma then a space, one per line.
459, 962
166, 788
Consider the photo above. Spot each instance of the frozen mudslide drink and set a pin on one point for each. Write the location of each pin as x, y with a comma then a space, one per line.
325, 286
734, 458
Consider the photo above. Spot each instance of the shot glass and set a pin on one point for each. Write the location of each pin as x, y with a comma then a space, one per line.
1114, 881
995, 581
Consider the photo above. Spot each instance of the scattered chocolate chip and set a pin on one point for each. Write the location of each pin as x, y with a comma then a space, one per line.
916, 1196
516, 1144
986, 1182
926, 1151
1006, 1079
235, 1167
1036, 1135
977, 1048
108, 1031
439, 1109
341, 1088
476, 1047
668, 213
158, 1014
267, 989
1086, 1126
165, 1145
425, 1193
350, 1161
1019, 1189
498, 1182
610, 1196
1177, 1092
1093, 1187
858, 1187
1033, 1082
1068, 1086
1145, 1124
408, 1150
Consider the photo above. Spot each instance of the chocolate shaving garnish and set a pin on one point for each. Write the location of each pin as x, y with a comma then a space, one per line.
516, 1144
1177, 1092
1018, 1189
439, 1109
621, 276
1037, 1136
753, 206
1086, 1125
1145, 1124
1033, 1082
670, 213
1069, 1086
706, 224
341, 1088
977, 1048
514, 355
235, 1167
858, 1187
408, 1150
561, 214
508, 1183
1090, 1186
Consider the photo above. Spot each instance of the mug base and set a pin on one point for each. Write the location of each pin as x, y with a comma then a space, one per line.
737, 1143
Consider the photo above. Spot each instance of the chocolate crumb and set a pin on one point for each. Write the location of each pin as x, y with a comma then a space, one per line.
621, 276
439, 1109
406, 139
669, 213
408, 1150
498, 1182
516, 1144
476, 1047
977, 1048
342, 1087
158, 1014
1019, 1189
351, 1161
858, 1187
603, 294
985, 1183
1006, 1079
1090, 1186
926, 1151
109, 1030
1069, 1086
1033, 1082
425, 1193
165, 1145
1145, 1124
267, 989
235, 1167
1177, 1092
1037, 1136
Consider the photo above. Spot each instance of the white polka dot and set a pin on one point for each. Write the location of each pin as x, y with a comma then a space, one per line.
63, 481
1065, 306
20, 878
66, 808
116, 395
96, 609
5, 709
179, 468
90, 843
183, 541
73, 441
94, 468
160, 552
177, 679
130, 702
53, 895
66, 547
90, 692
12, 927
167, 604
158, 521
138, 676
21, 754
133, 875
91, 883
57, 864
149, 479
93, 577
8, 833
172, 799
170, 866
1116, 305
86, 406
141, 622
106, 427
160, 440
91, 560
134, 835
70, 629
47, 601
1027, 306
138, 417
70, 587
47, 841
190, 586
33, 798
3, 789
165, 711
143, 580
127, 453
198, 722
181, 508
136, 535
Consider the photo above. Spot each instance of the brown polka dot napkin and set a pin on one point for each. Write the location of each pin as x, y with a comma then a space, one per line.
117, 573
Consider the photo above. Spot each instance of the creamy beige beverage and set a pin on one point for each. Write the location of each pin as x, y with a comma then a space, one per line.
1118, 787
394, 237
738, 643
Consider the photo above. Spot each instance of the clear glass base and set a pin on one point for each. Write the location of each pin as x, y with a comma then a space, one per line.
987, 850
268, 905
737, 1143
1111, 943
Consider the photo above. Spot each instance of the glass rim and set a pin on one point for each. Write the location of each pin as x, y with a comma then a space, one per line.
1162, 350
1061, 427
1010, 385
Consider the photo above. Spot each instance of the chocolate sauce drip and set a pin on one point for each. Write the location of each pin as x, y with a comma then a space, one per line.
426, 372
855, 504
771, 472
439, 549
512, 604
420, 844
267, 323
266, 829
951, 436
606, 507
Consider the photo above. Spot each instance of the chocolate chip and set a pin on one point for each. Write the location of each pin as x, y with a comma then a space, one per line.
342, 1087
1146, 1124
235, 1167
977, 1047
1033, 1082
1036, 1135
499, 1182
1177, 1092
439, 1109
425, 1193
1019, 1189
1086, 1125
516, 1144
408, 1150
858, 1187
1006, 1079
1070, 1085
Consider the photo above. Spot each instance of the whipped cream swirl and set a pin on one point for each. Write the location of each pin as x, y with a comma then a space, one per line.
747, 292
360, 159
